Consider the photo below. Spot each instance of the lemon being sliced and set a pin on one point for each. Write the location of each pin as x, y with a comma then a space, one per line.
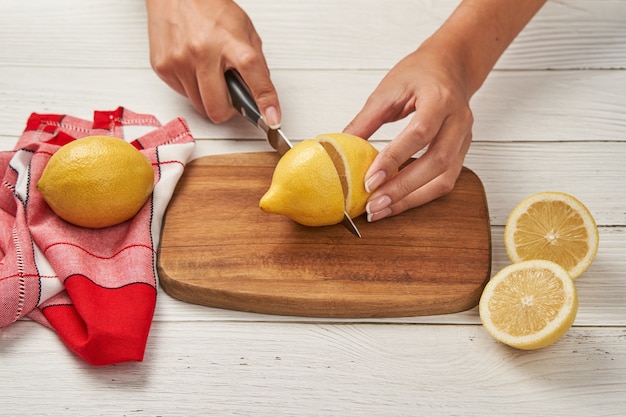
529, 305
306, 187
316, 180
552, 226
352, 157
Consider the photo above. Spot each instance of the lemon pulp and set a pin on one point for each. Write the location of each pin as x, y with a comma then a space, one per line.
529, 305
552, 226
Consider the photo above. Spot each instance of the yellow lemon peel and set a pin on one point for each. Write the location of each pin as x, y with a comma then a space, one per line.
97, 181
316, 180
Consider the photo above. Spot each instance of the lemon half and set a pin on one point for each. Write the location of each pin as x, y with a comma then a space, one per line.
553, 226
529, 305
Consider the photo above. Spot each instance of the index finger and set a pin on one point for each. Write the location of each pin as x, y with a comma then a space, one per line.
423, 127
445, 154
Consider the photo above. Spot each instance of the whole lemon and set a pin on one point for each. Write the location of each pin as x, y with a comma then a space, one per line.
316, 180
97, 181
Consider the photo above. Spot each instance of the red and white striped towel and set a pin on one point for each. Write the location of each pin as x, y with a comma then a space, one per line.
95, 287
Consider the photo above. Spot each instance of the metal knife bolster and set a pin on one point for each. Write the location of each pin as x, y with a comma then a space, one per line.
278, 140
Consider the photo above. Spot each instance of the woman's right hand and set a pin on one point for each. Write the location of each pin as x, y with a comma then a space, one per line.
192, 44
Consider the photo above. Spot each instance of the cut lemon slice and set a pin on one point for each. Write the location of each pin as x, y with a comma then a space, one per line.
352, 157
529, 305
552, 226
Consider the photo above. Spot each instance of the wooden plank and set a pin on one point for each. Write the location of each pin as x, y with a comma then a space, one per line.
601, 289
564, 35
282, 369
517, 105
593, 172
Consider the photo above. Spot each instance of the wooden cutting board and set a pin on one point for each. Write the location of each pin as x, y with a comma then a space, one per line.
220, 250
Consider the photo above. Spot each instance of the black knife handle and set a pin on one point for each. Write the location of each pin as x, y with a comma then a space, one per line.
242, 99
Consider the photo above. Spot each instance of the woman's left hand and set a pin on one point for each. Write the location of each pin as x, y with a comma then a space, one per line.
432, 86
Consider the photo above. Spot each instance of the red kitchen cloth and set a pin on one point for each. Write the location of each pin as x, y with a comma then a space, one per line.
95, 287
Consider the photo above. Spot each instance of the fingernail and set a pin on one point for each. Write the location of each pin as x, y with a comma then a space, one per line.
271, 117
375, 181
378, 204
372, 217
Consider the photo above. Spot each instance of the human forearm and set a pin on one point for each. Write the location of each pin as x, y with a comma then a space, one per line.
477, 34
435, 84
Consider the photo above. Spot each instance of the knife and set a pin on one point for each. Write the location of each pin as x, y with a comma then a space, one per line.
244, 103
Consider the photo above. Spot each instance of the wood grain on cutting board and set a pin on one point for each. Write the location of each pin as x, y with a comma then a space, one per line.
220, 250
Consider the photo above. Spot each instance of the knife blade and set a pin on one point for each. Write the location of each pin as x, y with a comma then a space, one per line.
244, 103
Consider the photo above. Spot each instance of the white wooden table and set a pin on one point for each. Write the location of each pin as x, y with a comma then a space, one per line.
552, 116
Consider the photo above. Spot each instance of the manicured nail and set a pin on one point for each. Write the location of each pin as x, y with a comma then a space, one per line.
372, 217
378, 204
271, 117
375, 181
